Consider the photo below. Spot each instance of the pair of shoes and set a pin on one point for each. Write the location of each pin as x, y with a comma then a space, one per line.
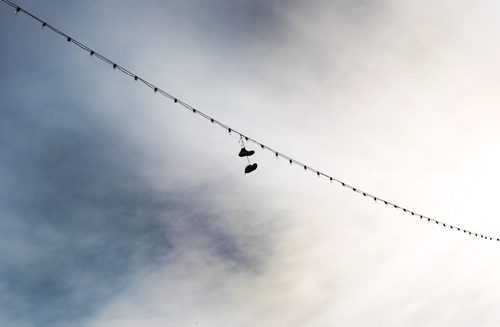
245, 153
250, 168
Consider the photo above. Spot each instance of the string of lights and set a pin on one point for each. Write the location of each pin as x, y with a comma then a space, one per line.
278, 154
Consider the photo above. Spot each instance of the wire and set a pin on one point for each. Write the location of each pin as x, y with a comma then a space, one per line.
213, 120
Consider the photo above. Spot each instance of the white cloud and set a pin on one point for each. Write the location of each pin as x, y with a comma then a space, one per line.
399, 98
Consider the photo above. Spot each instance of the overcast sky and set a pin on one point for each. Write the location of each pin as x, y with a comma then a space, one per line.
118, 208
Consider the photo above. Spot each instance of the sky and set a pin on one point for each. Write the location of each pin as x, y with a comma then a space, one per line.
118, 208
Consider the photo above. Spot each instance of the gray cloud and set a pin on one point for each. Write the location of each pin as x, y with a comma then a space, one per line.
118, 209
80, 220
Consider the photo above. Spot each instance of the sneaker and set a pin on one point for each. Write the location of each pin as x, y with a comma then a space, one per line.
250, 168
245, 153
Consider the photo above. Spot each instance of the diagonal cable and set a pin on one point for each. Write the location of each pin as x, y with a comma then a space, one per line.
114, 65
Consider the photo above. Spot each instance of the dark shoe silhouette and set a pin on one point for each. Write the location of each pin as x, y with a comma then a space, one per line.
245, 153
250, 168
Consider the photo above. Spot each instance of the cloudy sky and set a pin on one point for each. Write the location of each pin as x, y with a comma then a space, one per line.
117, 208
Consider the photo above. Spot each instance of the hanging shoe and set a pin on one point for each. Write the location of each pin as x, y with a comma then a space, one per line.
245, 153
250, 168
